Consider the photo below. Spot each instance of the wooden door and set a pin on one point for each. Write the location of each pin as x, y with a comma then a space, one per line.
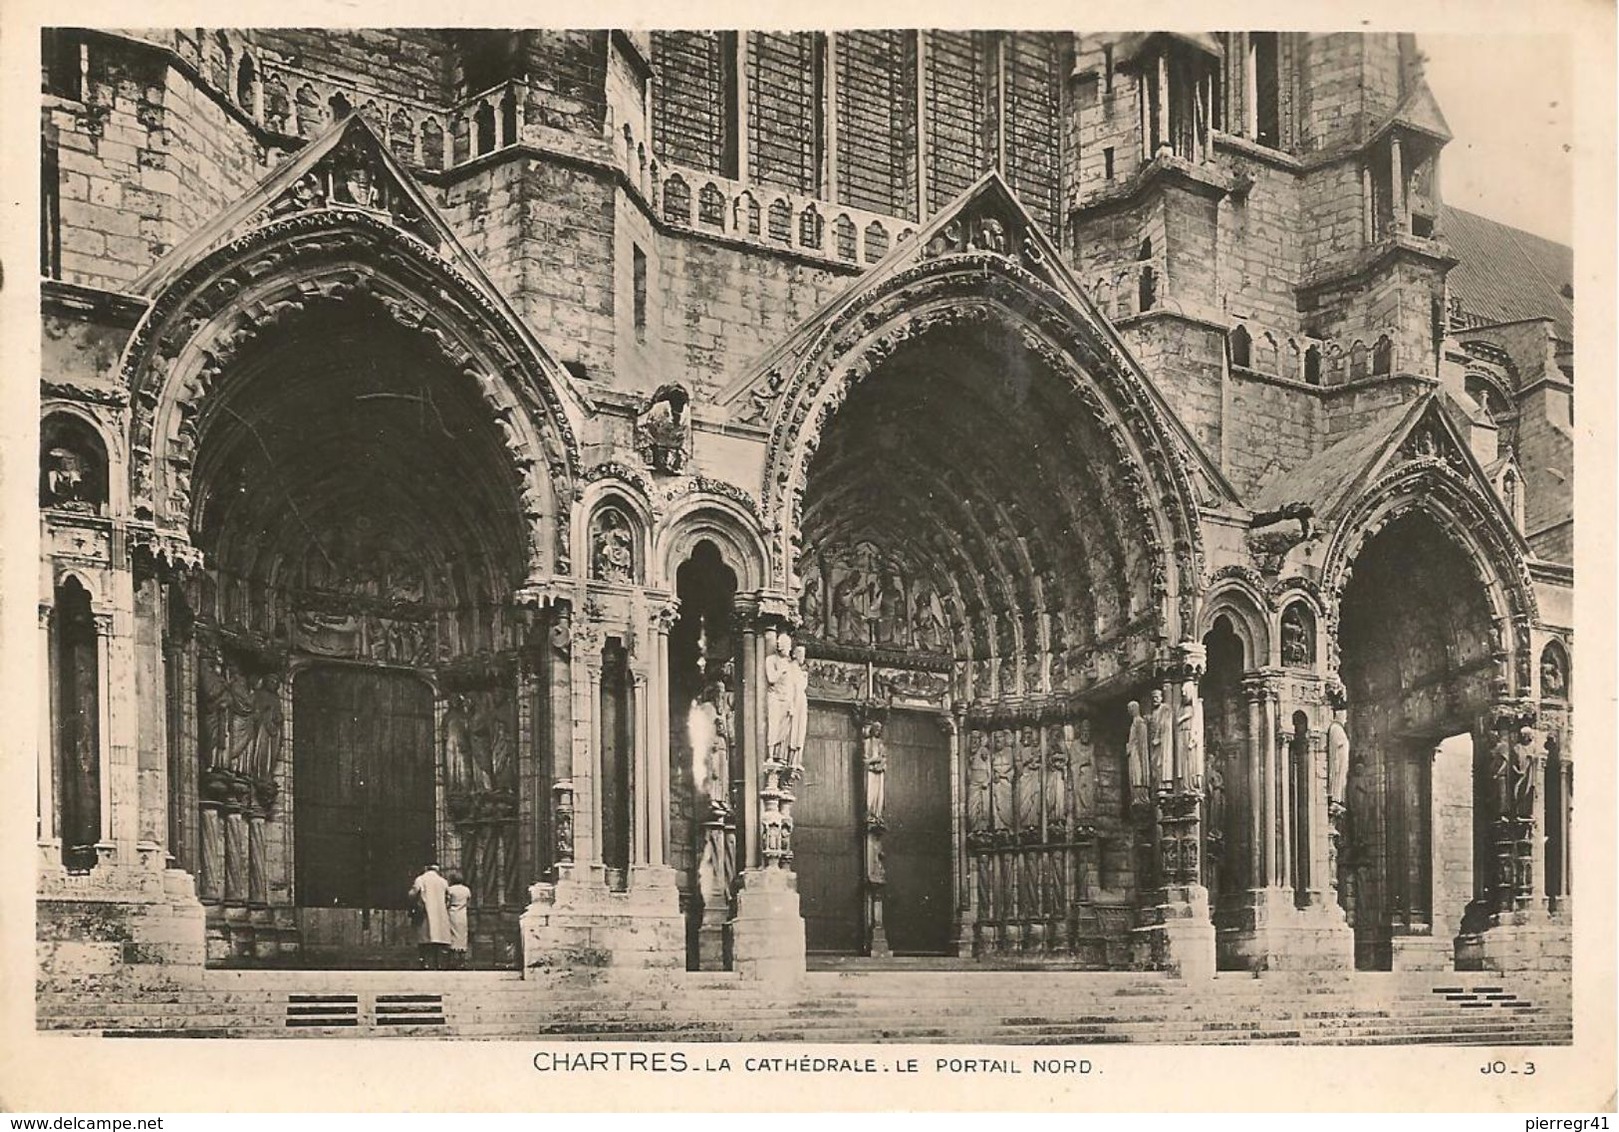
916, 845
363, 792
826, 834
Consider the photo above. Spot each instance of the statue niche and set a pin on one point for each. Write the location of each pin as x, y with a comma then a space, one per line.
1298, 636
72, 466
612, 547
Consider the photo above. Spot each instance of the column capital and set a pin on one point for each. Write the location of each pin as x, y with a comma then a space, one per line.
665, 612
1263, 684
1508, 713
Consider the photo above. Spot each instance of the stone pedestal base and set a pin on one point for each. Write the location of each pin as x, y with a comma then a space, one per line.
251, 936
767, 934
1274, 934
134, 922
1522, 942
578, 922
1176, 936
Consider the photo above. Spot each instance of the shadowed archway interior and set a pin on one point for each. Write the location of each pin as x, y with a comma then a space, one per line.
364, 534
1415, 637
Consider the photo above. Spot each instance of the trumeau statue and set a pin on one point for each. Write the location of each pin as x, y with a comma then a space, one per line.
1058, 768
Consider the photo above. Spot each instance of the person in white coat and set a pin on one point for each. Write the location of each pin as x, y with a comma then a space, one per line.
431, 913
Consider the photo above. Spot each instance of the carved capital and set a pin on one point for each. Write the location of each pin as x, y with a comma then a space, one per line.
665, 615
1261, 686
1511, 714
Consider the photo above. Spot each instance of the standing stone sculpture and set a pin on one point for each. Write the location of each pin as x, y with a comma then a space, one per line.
1138, 756
1190, 725
1337, 761
779, 697
978, 785
1059, 766
1160, 742
1082, 760
1031, 775
798, 722
1003, 764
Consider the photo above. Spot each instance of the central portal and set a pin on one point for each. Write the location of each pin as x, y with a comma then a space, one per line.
363, 776
830, 834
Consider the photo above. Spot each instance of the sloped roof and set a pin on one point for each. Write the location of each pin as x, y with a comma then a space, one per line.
1507, 274
1420, 111
1328, 478
1330, 481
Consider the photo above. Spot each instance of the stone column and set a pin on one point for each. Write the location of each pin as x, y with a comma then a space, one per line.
45, 765
640, 774
258, 872
1397, 186
964, 897
589, 792
1178, 935
120, 826
211, 853
663, 621
767, 931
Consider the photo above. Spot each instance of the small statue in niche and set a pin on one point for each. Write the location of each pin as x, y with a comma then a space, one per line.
809, 605
663, 430
66, 482
612, 554
1509, 495
1298, 637
928, 626
990, 236
1553, 682
711, 730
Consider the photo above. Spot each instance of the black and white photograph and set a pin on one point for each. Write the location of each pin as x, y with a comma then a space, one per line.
956, 537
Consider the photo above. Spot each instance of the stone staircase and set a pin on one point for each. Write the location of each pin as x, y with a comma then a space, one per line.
985, 1007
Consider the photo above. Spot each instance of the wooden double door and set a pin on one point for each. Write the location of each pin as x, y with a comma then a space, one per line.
829, 834
363, 805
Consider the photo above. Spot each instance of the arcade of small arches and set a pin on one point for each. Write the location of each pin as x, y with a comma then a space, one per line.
961, 685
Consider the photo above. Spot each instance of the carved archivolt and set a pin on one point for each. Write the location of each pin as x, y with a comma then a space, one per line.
262, 283
1431, 486
984, 288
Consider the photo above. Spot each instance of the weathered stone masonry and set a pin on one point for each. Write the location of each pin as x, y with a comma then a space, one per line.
444, 432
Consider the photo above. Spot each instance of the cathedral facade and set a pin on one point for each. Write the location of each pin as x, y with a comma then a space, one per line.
1025, 498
